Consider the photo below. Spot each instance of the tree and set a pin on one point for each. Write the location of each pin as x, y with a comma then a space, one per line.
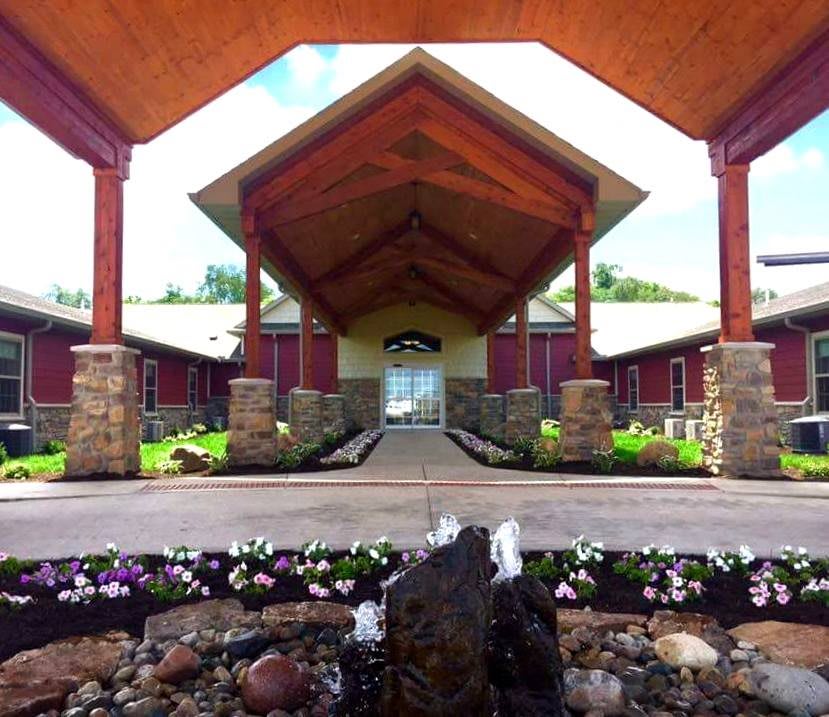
608, 287
80, 299
759, 296
175, 295
225, 284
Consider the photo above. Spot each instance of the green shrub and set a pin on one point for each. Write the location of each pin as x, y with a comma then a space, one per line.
219, 462
603, 461
17, 472
52, 448
669, 464
637, 428
523, 446
199, 429
297, 455
544, 568
169, 467
331, 437
543, 458
4, 455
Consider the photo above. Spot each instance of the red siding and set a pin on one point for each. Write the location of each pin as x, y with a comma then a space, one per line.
288, 363
53, 365
172, 377
788, 362
220, 374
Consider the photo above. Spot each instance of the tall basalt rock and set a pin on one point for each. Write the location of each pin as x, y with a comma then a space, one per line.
438, 616
524, 661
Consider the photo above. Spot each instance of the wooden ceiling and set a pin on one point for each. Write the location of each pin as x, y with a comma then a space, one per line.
416, 200
146, 64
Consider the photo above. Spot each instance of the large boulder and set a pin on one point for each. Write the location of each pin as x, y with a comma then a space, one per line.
668, 622
790, 688
221, 615
437, 623
652, 452
276, 682
525, 664
588, 690
193, 458
312, 614
683, 650
788, 643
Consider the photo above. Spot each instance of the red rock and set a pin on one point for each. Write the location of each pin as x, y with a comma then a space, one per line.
33, 698
178, 665
77, 659
667, 622
786, 642
275, 682
219, 615
569, 619
312, 614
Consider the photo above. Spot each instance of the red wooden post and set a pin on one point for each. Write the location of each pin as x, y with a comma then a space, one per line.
581, 252
253, 294
521, 336
335, 358
490, 362
735, 272
306, 338
109, 233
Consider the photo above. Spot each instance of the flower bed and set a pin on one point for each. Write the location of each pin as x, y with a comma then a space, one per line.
532, 455
40, 602
354, 451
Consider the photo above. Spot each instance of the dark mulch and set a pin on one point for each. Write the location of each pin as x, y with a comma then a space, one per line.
582, 467
726, 598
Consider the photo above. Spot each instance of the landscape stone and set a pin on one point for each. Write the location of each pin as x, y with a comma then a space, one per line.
312, 614
789, 688
786, 642
179, 664
653, 451
219, 615
683, 650
438, 615
193, 458
275, 682
33, 698
569, 620
594, 690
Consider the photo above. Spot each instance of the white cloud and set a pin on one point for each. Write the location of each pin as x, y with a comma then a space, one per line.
783, 159
306, 65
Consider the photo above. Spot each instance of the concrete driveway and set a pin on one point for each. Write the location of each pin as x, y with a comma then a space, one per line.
400, 492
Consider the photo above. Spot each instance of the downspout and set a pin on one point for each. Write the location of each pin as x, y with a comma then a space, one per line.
30, 398
807, 336
549, 386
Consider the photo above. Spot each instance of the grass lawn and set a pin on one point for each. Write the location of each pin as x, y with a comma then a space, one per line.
151, 454
626, 448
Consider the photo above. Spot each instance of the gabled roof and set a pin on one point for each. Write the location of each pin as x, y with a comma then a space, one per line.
811, 300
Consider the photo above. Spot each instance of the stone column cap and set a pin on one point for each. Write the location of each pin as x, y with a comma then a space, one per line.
103, 349
305, 392
737, 345
334, 395
585, 383
497, 395
250, 382
531, 389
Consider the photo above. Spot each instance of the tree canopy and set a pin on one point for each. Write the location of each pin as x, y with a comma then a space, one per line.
79, 298
607, 286
223, 284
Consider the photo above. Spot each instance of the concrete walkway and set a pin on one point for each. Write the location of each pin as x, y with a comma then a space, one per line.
401, 491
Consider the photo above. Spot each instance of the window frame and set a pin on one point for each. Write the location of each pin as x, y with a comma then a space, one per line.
20, 339
154, 412
633, 369
193, 371
681, 361
817, 337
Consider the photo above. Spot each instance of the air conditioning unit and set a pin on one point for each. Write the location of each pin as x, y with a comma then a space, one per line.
693, 429
810, 434
17, 438
155, 431
220, 423
674, 428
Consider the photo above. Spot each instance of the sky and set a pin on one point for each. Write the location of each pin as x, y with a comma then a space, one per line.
47, 217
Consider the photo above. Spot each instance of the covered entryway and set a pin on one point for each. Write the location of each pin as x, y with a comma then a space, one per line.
413, 397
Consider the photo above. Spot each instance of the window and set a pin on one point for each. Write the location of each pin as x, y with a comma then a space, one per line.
411, 342
11, 375
633, 388
678, 385
150, 386
192, 388
821, 374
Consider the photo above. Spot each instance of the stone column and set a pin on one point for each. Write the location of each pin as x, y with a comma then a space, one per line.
251, 433
523, 414
306, 415
333, 413
586, 419
103, 426
739, 436
492, 415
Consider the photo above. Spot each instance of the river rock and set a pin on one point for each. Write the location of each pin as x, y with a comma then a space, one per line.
683, 650
178, 665
275, 682
524, 663
312, 614
594, 690
438, 615
221, 615
790, 688
787, 642
193, 458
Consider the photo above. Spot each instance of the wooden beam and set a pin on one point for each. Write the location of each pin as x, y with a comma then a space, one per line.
785, 103
454, 247
381, 125
459, 304
490, 362
547, 209
306, 341
253, 298
735, 271
108, 257
581, 251
521, 347
464, 272
291, 211
35, 88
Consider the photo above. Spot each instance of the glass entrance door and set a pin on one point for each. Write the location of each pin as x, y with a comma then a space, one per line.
412, 397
